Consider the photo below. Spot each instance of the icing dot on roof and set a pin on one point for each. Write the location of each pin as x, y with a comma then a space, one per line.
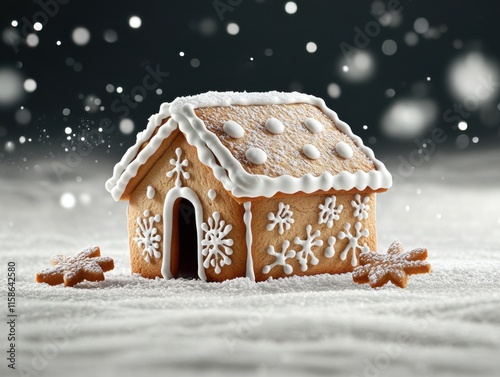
233, 129
313, 125
256, 156
311, 151
344, 150
274, 126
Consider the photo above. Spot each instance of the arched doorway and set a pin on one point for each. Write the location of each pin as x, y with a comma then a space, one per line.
183, 216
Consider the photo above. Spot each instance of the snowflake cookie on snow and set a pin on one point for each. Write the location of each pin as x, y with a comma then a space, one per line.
395, 266
291, 189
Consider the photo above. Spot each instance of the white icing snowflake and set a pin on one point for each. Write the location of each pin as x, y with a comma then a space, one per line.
353, 241
307, 246
283, 217
147, 236
361, 208
216, 247
178, 168
329, 213
280, 258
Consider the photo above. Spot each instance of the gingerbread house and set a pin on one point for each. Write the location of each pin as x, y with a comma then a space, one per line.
226, 185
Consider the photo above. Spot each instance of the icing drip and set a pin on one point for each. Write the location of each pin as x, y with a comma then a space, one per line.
311, 151
247, 219
274, 126
216, 248
280, 258
256, 156
178, 168
233, 129
353, 241
283, 217
148, 238
212, 195
307, 246
150, 192
344, 150
313, 125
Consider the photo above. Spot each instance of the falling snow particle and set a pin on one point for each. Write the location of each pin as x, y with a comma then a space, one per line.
159, 91
291, 7
110, 36
181, 53
37, 26
66, 112
233, 28
135, 22
126, 126
311, 47
334, 90
23, 116
68, 130
475, 140
9, 147
421, 25
389, 93
67, 200
411, 38
32, 40
462, 126
462, 141
58, 43
119, 89
81, 36
22, 140
268, 52
11, 86
30, 85
14, 23
195, 63
389, 47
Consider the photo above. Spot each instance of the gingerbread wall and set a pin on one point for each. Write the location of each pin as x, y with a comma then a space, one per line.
307, 231
200, 180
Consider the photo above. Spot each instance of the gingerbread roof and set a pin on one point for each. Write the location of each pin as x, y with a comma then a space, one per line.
257, 147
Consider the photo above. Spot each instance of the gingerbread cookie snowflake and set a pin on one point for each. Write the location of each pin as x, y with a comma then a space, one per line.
70, 270
377, 269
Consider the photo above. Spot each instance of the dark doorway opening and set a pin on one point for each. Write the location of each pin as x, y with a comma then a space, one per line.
188, 241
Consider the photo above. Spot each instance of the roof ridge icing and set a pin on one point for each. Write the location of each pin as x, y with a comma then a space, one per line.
229, 171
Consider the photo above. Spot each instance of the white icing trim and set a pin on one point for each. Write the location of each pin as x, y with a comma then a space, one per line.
229, 171
247, 219
168, 215
128, 167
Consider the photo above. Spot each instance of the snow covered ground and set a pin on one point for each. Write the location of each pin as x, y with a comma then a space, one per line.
446, 323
